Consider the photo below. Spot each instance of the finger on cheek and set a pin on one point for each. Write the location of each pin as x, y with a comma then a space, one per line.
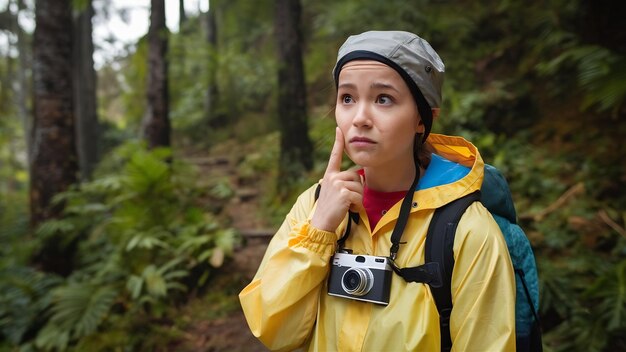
336, 154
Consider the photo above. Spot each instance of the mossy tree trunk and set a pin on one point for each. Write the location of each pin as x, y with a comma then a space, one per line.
156, 123
295, 145
87, 126
211, 97
54, 162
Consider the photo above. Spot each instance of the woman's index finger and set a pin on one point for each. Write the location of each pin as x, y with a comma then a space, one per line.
336, 155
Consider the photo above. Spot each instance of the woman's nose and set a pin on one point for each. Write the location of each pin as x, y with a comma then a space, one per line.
362, 117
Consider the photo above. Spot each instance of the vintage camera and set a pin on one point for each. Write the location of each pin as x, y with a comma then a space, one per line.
361, 277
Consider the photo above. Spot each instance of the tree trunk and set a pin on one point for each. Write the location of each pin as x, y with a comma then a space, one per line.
87, 129
156, 126
182, 16
601, 23
295, 145
212, 94
54, 164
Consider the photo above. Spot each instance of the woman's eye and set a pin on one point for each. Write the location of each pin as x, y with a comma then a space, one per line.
346, 99
383, 99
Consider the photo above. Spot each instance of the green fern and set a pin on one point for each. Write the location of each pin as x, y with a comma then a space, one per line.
55, 227
580, 332
226, 240
81, 307
610, 290
148, 240
77, 311
155, 283
24, 297
52, 338
601, 75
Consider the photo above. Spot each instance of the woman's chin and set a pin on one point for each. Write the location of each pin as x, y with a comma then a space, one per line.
362, 159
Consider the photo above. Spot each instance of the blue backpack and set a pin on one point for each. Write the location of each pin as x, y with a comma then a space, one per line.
496, 197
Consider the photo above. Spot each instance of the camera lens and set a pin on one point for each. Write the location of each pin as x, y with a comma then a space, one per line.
357, 281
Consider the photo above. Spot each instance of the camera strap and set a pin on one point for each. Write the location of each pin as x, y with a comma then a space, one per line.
403, 218
352, 216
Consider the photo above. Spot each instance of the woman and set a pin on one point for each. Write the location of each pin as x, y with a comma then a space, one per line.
388, 90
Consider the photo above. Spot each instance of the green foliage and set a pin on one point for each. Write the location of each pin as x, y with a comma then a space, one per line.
598, 324
144, 239
241, 66
13, 230
579, 257
155, 282
601, 75
77, 311
24, 298
610, 291
135, 77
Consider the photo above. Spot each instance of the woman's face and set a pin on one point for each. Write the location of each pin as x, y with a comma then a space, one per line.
377, 115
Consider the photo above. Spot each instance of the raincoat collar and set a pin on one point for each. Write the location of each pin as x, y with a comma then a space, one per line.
455, 149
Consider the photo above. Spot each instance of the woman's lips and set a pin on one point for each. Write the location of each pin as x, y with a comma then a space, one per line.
361, 141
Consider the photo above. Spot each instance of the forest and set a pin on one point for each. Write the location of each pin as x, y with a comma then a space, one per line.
137, 193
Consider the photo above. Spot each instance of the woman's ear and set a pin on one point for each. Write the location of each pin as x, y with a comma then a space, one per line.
435, 112
420, 128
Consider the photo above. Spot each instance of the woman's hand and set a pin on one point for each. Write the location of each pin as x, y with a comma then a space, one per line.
341, 190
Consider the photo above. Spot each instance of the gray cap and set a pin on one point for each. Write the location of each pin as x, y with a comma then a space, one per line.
414, 59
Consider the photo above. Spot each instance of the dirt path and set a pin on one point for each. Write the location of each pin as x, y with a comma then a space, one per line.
231, 333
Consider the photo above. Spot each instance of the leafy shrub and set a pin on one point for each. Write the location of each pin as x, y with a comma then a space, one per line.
24, 298
143, 238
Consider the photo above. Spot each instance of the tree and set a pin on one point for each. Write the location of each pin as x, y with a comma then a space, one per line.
212, 94
87, 129
54, 165
295, 145
156, 124
182, 15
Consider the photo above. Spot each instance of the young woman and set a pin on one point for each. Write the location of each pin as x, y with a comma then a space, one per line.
388, 90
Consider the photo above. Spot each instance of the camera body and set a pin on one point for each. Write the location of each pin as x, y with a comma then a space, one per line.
360, 277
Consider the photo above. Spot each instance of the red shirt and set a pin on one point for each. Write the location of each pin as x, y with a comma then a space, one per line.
377, 203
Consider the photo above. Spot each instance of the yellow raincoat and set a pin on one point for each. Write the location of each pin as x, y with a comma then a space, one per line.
287, 305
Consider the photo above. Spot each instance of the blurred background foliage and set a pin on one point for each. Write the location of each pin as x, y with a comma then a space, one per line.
538, 86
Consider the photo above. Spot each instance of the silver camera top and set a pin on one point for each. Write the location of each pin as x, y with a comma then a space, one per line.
368, 261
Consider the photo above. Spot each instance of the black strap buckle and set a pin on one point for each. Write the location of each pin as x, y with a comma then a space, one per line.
444, 317
428, 273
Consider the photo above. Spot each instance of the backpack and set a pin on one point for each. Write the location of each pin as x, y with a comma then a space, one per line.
496, 197
436, 272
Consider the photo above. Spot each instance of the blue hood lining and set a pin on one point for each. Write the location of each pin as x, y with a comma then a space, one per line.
495, 193
441, 171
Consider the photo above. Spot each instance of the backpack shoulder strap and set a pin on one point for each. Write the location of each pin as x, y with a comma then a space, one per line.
439, 245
